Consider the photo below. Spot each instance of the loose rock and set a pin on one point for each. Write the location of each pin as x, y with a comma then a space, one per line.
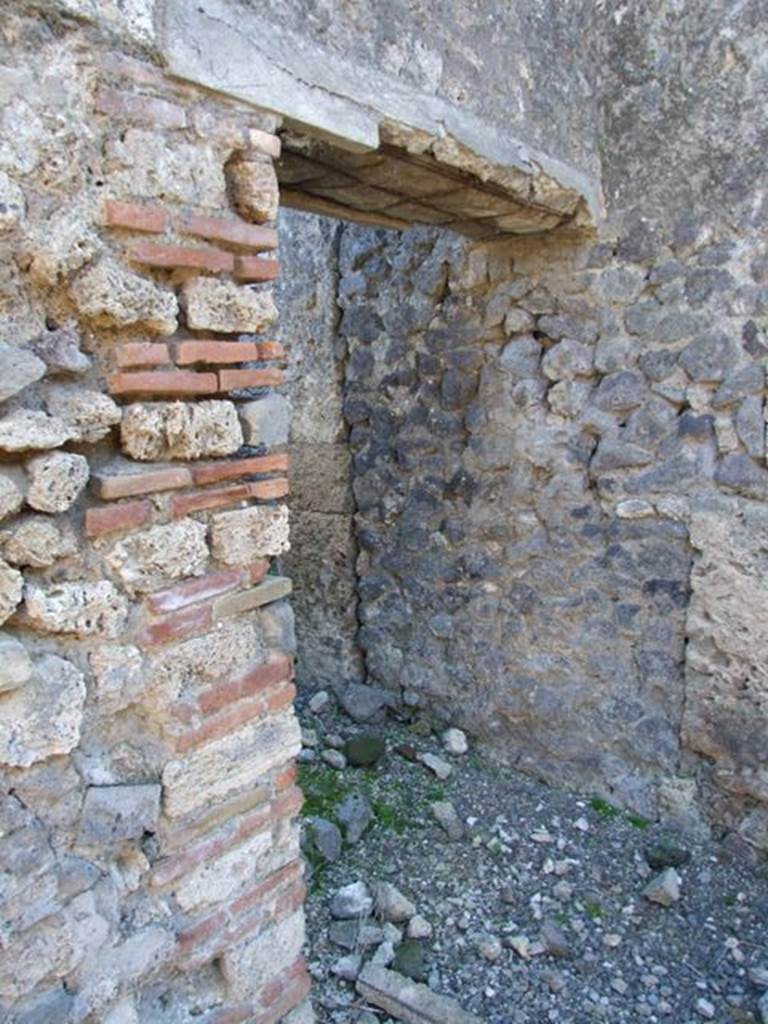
664, 889
351, 901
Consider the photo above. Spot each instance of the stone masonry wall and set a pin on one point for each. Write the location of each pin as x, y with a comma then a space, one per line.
321, 561
557, 465
149, 852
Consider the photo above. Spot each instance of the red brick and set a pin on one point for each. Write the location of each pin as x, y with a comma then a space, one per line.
135, 217
264, 142
192, 591
232, 468
288, 805
286, 776
125, 485
178, 626
145, 110
220, 725
187, 352
281, 698
276, 669
163, 382
264, 489
231, 379
182, 257
259, 570
253, 268
233, 232
290, 997
183, 835
196, 934
198, 500
271, 992
142, 353
271, 350
287, 873
117, 517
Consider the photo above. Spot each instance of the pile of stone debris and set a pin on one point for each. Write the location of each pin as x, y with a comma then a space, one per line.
444, 888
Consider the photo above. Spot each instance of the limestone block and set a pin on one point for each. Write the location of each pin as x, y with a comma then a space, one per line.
247, 966
12, 204
242, 536
184, 667
60, 245
567, 360
112, 814
59, 349
56, 480
43, 717
15, 663
230, 764
119, 673
142, 163
179, 430
38, 541
33, 429
89, 414
145, 561
112, 296
219, 878
265, 421
726, 713
18, 368
253, 187
213, 305
13, 488
11, 584
85, 609
44, 951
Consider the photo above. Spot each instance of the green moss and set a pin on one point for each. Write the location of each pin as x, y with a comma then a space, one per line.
603, 808
594, 910
323, 789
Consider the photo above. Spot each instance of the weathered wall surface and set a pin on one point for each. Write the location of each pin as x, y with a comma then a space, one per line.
150, 862
541, 432
321, 561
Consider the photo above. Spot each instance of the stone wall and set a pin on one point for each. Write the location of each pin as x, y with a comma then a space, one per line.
148, 844
323, 552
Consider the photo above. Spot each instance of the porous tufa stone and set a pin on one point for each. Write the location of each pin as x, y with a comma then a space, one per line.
213, 305
18, 368
111, 296
15, 663
56, 480
180, 430
43, 718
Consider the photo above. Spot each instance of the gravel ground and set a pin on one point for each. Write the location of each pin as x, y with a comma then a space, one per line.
536, 868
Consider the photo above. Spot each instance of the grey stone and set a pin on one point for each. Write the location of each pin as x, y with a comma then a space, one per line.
664, 888
42, 718
565, 326
407, 1001
436, 765
364, 750
347, 967
19, 367
113, 814
15, 663
520, 358
710, 357
616, 454
355, 814
351, 901
446, 816
410, 960
365, 703
750, 425
554, 939
567, 360
666, 855
335, 759
762, 1008
620, 392
59, 349
455, 741
265, 421
739, 473
326, 838
391, 904
354, 934
748, 380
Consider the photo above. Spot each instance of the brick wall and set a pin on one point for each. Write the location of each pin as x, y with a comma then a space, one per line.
149, 804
